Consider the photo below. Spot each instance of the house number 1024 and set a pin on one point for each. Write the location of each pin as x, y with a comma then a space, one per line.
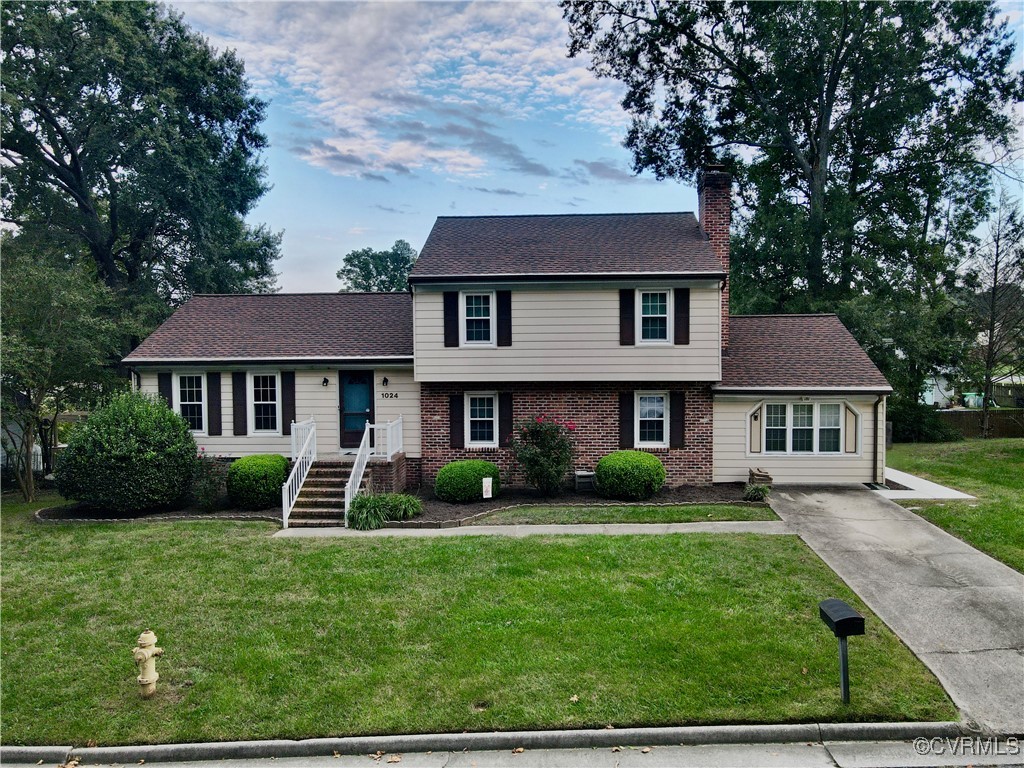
389, 395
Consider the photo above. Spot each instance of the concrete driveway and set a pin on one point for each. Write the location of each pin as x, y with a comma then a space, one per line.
959, 610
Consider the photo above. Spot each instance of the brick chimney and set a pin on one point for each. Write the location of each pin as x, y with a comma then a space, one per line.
714, 194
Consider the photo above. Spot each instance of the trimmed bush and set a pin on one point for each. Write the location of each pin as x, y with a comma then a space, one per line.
254, 482
630, 475
132, 454
373, 511
756, 492
542, 446
919, 423
462, 481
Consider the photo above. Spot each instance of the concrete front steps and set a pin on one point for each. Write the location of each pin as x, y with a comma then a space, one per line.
321, 502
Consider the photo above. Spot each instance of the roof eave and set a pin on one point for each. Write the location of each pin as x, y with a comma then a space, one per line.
802, 390
566, 276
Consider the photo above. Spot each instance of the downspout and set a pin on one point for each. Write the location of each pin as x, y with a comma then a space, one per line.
874, 462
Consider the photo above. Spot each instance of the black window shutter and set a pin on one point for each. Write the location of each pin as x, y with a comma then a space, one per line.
238, 404
682, 310
163, 383
287, 401
504, 318
214, 428
456, 422
451, 318
504, 417
627, 317
626, 420
677, 420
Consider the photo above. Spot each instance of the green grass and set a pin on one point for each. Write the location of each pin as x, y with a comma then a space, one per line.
682, 513
292, 638
992, 470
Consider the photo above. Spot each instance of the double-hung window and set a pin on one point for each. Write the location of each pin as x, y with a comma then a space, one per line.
191, 400
482, 419
803, 428
651, 428
478, 316
653, 317
266, 402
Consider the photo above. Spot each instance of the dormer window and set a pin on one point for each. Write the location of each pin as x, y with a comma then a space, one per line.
653, 317
477, 319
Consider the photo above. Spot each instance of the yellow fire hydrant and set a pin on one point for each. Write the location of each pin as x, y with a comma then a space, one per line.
145, 657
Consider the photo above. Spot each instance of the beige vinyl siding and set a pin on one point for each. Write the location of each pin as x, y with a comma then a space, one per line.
311, 399
732, 461
569, 334
406, 405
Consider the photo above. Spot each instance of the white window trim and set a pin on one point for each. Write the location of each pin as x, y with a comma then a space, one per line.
252, 402
669, 323
466, 421
636, 420
493, 342
815, 428
205, 396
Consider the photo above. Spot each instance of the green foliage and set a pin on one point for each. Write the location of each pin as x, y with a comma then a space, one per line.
629, 475
542, 447
373, 511
132, 454
254, 482
209, 483
378, 271
461, 482
914, 422
129, 134
756, 492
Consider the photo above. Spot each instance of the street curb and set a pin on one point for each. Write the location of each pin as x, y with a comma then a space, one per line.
500, 740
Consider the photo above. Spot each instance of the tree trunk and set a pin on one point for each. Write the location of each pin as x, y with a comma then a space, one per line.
990, 348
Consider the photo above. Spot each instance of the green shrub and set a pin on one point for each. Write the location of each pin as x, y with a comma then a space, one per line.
462, 481
373, 511
254, 482
919, 423
209, 483
132, 454
629, 475
756, 492
542, 446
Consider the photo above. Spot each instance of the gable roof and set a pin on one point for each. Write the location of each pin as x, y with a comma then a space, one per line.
575, 245
798, 353
283, 327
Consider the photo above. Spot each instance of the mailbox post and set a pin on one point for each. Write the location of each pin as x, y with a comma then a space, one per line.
844, 622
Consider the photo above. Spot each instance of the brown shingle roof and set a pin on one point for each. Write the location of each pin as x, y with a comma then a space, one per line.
798, 352
587, 244
287, 326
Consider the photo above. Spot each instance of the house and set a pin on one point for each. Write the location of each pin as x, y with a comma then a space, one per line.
618, 322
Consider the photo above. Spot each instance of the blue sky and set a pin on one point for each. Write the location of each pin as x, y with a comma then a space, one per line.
384, 116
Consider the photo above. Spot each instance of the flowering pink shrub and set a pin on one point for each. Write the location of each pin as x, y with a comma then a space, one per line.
543, 447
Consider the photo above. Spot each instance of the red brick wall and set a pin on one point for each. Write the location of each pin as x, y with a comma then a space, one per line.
594, 407
714, 194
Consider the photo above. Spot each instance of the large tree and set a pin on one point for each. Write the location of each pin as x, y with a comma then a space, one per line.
378, 271
125, 130
862, 135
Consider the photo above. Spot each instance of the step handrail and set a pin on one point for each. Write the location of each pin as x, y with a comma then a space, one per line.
358, 467
303, 459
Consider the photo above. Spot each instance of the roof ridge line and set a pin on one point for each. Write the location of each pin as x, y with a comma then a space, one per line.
563, 215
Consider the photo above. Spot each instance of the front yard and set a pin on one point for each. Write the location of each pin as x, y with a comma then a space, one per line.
541, 514
992, 470
295, 638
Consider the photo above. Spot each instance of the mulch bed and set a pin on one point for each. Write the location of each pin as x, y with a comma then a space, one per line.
83, 513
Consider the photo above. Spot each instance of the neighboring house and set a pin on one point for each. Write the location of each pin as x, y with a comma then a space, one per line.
939, 392
618, 322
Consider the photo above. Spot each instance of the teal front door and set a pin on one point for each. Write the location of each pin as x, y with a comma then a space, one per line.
356, 405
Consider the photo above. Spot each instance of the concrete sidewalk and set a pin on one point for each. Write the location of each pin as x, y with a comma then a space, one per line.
519, 531
959, 610
919, 488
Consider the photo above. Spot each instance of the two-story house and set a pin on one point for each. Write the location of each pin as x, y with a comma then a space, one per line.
619, 323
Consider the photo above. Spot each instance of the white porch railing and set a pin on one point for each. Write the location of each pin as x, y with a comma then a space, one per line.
387, 441
303, 456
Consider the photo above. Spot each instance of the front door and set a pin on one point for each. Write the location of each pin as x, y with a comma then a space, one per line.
356, 406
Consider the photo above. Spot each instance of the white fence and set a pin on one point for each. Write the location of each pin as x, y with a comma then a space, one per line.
303, 456
387, 441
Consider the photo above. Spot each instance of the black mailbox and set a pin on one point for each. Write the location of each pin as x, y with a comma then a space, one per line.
841, 618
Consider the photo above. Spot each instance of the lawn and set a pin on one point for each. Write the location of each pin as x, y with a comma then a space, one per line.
992, 470
681, 513
295, 638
